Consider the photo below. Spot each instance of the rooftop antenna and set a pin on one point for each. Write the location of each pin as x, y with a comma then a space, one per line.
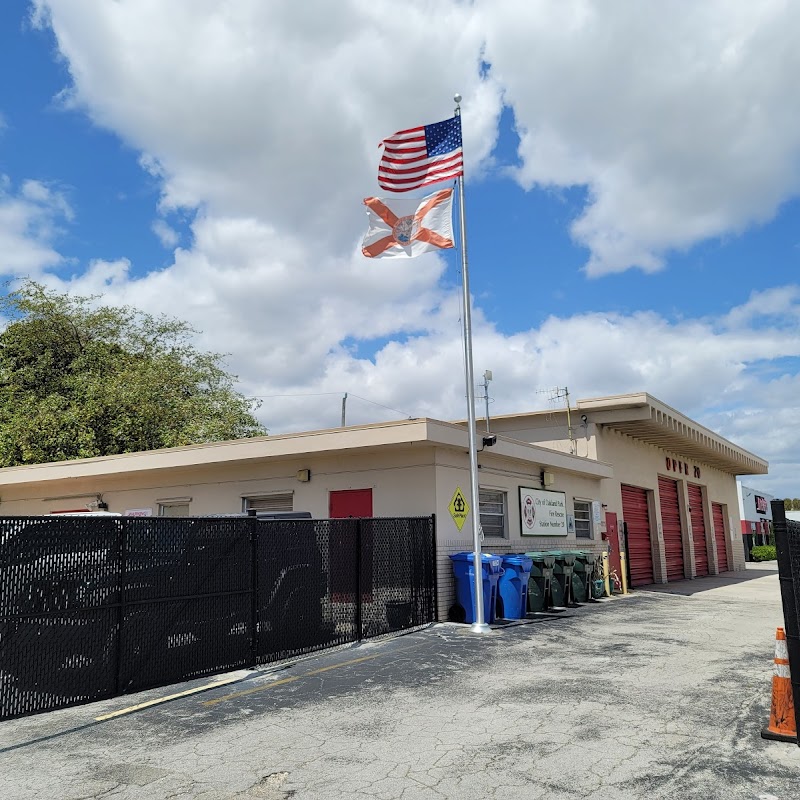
487, 377
563, 394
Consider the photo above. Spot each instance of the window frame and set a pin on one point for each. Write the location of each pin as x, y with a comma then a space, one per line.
248, 498
589, 521
163, 505
503, 515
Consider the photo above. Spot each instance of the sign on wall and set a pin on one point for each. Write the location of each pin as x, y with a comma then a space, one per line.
761, 504
542, 512
459, 508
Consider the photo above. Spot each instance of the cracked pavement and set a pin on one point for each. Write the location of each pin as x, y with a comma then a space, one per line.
661, 694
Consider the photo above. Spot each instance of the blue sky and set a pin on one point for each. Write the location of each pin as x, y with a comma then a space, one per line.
632, 197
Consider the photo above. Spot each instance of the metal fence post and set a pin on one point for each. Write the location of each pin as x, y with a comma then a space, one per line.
434, 569
785, 542
254, 654
121, 583
359, 556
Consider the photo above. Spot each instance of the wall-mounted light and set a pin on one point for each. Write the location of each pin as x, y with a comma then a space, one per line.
304, 475
489, 441
548, 479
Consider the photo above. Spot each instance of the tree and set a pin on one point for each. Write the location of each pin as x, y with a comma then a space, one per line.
80, 380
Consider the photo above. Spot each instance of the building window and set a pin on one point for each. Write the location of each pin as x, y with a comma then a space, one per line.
269, 502
583, 519
493, 512
170, 509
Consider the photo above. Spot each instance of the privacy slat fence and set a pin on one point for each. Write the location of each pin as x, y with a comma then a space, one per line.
92, 607
787, 545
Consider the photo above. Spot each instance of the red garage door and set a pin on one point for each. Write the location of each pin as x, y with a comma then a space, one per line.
671, 525
698, 530
719, 536
637, 520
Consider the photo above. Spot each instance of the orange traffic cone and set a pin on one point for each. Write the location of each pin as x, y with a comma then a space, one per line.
782, 725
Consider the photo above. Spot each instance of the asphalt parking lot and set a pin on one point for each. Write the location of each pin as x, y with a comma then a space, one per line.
658, 695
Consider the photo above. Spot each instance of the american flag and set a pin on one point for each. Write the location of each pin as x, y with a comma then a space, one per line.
422, 155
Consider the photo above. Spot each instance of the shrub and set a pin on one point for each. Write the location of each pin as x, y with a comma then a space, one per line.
764, 552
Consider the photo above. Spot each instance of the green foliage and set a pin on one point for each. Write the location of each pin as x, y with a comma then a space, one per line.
79, 380
764, 552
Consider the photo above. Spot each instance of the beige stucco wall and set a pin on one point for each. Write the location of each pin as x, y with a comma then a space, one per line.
402, 482
452, 471
551, 431
639, 464
406, 480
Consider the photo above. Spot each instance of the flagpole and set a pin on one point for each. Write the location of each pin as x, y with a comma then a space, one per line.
480, 625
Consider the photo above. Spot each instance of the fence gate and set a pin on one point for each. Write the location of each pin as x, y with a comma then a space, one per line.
92, 607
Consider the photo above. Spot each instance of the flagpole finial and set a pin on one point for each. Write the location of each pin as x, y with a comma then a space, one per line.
457, 98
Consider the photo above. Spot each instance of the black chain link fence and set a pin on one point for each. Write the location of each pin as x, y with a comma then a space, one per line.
92, 607
787, 546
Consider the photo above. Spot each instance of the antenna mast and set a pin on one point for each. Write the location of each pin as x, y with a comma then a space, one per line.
558, 394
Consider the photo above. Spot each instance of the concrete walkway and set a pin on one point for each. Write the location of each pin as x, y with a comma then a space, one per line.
658, 695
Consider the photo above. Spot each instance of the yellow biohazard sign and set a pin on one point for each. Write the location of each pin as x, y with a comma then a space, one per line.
459, 508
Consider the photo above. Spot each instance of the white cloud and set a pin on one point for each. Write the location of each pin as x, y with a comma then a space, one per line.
167, 235
678, 117
30, 220
268, 109
265, 118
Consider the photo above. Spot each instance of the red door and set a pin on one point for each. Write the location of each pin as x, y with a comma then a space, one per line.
698, 529
615, 543
637, 519
719, 536
671, 525
350, 503
342, 546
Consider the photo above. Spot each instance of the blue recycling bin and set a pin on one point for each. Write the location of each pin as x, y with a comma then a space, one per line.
513, 585
491, 569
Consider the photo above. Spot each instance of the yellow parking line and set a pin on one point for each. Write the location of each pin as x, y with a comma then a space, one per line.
265, 686
284, 681
251, 691
159, 700
342, 664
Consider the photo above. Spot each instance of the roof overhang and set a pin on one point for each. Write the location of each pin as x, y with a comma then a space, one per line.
335, 441
647, 419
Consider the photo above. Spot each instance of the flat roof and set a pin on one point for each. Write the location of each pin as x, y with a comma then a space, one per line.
642, 416
357, 438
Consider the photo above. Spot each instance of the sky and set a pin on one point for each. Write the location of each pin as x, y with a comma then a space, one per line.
632, 182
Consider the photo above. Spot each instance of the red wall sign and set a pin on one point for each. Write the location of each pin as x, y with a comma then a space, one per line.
681, 466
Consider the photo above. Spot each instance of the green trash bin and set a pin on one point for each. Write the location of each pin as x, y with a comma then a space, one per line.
540, 581
562, 578
581, 575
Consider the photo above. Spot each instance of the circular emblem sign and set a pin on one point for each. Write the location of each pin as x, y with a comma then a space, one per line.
528, 512
404, 230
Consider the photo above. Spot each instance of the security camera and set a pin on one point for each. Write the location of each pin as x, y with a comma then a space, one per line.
584, 419
489, 441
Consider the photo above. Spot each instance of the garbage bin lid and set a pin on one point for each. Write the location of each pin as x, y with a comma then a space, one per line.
486, 558
518, 559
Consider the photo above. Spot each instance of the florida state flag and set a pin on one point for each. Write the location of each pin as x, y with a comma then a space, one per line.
406, 227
